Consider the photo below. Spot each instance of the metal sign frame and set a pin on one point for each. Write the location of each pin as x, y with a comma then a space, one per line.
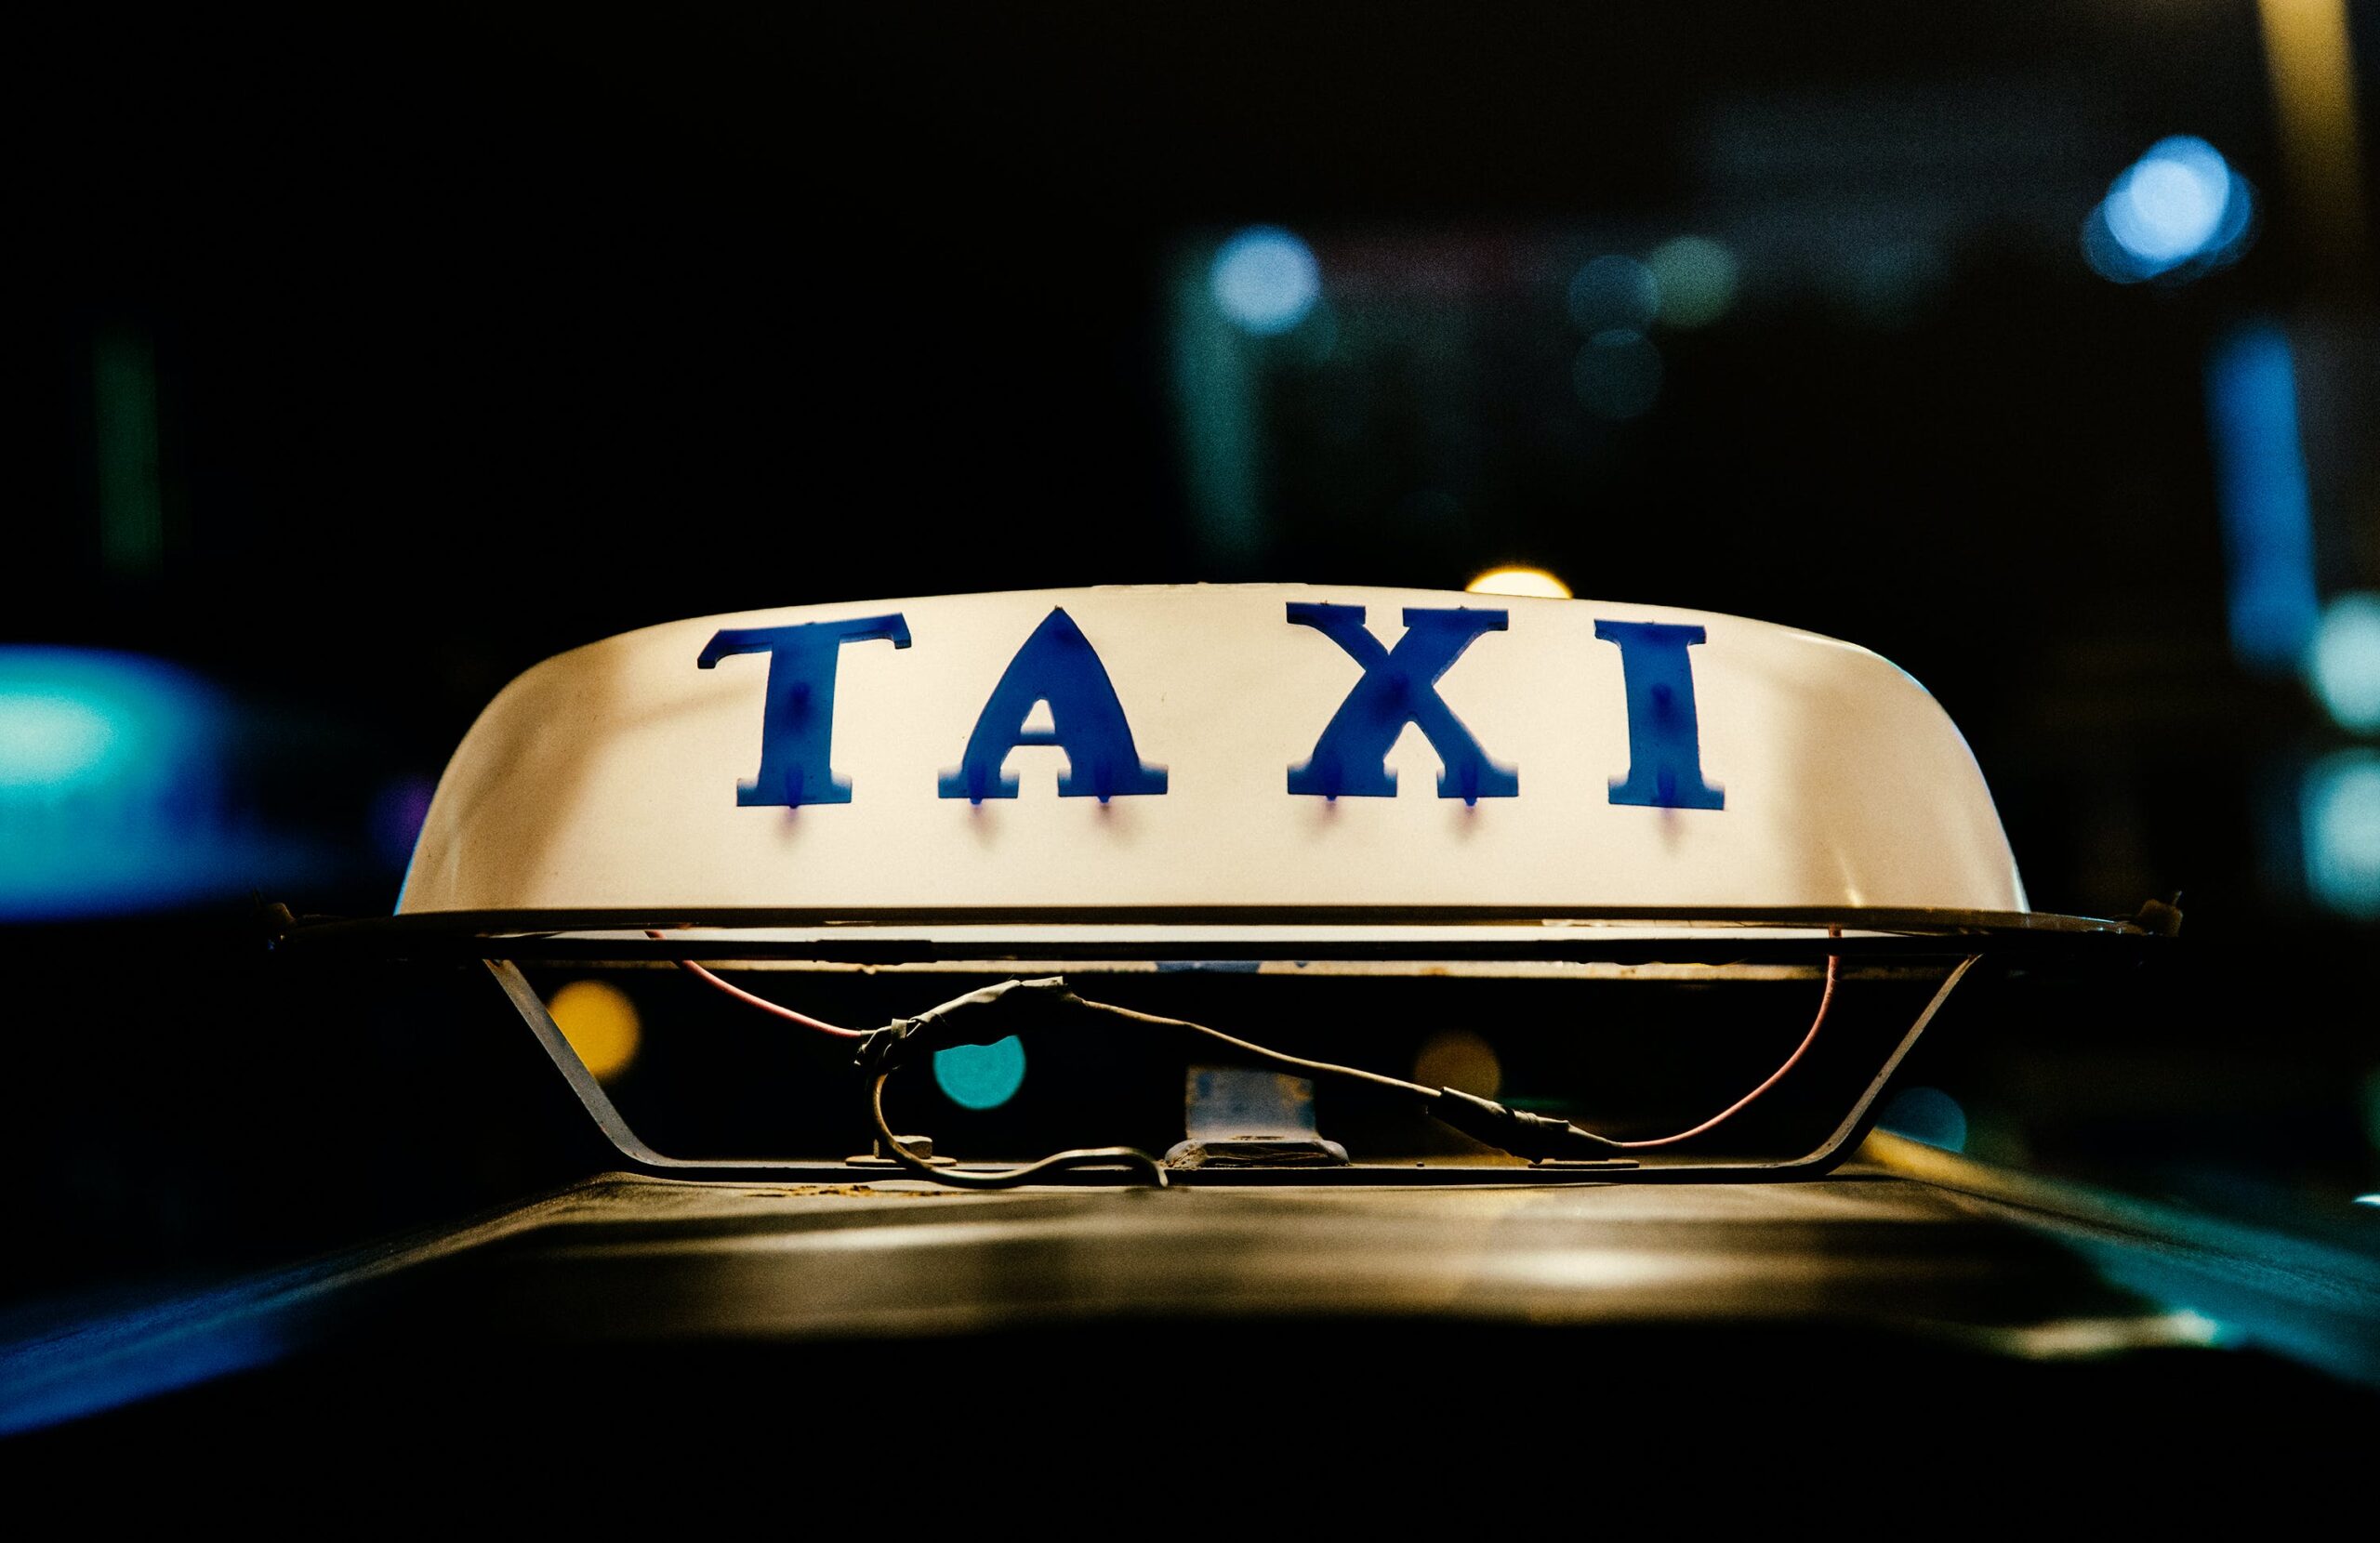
639, 1157
524, 941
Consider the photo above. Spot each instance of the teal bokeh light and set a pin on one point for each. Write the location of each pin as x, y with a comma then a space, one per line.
113, 786
1696, 279
1927, 1114
75, 719
981, 1076
48, 738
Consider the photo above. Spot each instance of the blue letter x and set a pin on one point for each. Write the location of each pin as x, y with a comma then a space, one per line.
1399, 686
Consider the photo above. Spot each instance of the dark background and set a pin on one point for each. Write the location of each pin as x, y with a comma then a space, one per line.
464, 342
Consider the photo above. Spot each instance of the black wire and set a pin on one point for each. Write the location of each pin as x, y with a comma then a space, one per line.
1273, 1057
1528, 1135
1003, 1178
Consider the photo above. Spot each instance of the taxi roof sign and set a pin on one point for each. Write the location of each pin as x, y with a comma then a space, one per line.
1271, 748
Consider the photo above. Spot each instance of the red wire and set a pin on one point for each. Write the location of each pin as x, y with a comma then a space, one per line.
761, 1002
1826, 1000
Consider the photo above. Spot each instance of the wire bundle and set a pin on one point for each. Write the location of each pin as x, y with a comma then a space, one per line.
995, 1013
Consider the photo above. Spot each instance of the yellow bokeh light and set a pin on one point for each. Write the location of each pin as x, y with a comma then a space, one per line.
600, 1023
1533, 581
1456, 1058
2309, 51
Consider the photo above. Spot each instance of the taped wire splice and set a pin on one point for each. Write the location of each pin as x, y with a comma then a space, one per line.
984, 1017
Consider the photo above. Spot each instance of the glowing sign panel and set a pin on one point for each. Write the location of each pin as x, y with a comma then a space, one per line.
1230, 746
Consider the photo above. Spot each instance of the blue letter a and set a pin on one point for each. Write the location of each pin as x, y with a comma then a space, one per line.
1056, 665
1400, 686
798, 723
1664, 736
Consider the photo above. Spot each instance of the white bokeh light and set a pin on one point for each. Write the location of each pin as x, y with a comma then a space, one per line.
2344, 663
2170, 204
1266, 280
2341, 814
2180, 210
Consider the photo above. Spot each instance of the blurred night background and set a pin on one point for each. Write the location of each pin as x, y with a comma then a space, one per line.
2033, 344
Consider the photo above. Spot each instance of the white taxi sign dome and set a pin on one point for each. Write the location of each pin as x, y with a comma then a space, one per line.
1264, 747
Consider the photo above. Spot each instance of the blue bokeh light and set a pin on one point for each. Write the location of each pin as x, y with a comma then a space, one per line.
2343, 664
981, 1076
2261, 492
1618, 374
2340, 810
1266, 280
2171, 203
2179, 210
1927, 1114
1614, 292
